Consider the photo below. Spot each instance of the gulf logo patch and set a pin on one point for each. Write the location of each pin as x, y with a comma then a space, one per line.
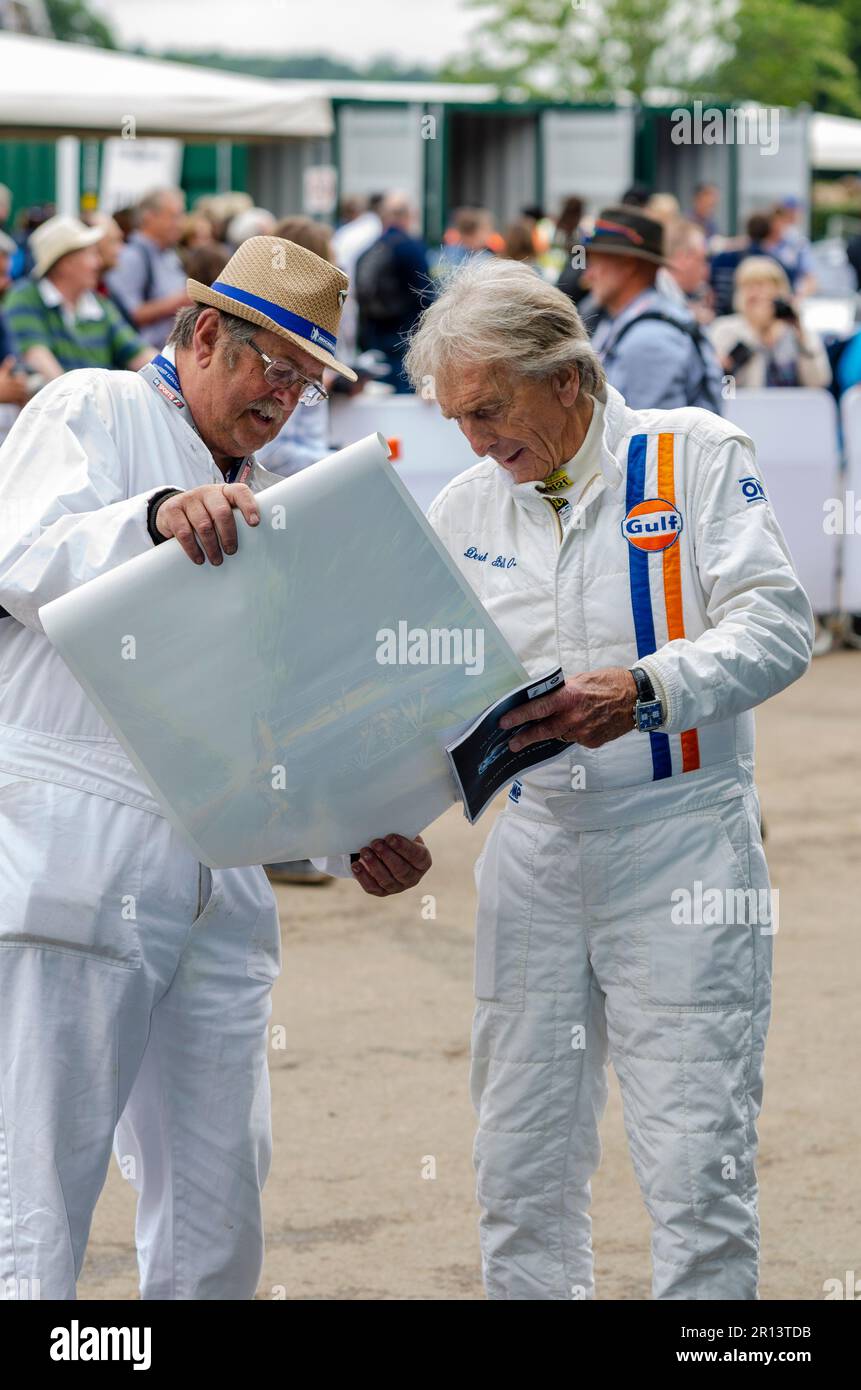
653, 524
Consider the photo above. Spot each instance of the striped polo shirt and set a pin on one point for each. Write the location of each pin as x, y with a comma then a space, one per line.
93, 334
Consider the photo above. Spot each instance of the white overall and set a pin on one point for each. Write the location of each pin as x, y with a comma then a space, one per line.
134, 983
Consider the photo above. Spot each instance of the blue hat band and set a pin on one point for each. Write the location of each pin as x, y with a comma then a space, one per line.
285, 318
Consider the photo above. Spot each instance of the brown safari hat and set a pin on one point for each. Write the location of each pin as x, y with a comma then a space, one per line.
285, 288
625, 231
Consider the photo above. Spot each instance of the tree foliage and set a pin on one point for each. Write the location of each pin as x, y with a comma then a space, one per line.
579, 50
787, 53
778, 52
74, 22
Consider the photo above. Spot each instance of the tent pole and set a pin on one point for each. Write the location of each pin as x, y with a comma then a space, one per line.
224, 170
68, 175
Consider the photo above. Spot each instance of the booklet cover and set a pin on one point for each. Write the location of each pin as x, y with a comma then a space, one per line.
481, 760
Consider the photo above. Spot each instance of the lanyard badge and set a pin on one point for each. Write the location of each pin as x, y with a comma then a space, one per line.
164, 378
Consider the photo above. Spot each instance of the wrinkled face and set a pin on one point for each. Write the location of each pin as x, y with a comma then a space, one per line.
691, 266
234, 407
525, 425
110, 245
164, 224
706, 201
78, 271
609, 276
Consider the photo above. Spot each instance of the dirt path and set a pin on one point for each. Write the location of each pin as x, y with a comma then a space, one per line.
375, 1002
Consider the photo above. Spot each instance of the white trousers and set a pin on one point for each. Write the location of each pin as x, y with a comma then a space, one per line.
134, 1003
594, 945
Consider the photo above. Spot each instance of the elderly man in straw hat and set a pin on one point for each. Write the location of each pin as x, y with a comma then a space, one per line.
135, 983
638, 550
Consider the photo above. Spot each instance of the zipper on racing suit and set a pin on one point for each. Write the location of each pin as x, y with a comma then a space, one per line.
560, 538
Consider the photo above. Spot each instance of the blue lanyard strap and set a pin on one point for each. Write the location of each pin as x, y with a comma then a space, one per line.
169, 372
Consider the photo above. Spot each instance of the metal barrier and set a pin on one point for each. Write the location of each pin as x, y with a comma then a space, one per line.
798, 450
430, 449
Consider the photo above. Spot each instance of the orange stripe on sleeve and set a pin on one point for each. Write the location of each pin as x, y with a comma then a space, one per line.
672, 558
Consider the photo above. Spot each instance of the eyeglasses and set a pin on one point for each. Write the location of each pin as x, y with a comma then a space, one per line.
283, 375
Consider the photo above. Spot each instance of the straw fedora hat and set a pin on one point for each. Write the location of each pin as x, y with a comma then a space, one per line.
56, 238
286, 289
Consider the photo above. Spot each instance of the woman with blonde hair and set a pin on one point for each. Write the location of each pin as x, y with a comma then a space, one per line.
664, 207
763, 343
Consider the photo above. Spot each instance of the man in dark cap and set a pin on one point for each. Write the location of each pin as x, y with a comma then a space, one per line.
652, 349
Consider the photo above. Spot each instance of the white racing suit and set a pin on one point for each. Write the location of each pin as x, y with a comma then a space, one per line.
134, 983
592, 940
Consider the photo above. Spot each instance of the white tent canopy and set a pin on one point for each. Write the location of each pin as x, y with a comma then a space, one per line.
835, 142
51, 88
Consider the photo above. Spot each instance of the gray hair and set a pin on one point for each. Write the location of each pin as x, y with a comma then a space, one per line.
501, 311
240, 331
152, 201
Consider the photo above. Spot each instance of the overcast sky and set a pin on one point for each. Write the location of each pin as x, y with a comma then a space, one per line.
412, 30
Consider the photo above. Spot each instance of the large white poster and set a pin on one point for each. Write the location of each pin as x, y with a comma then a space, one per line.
131, 168
293, 701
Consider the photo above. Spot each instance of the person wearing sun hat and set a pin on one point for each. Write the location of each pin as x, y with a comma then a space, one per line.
651, 348
141, 977
56, 320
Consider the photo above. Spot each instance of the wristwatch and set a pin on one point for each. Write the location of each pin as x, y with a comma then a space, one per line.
648, 711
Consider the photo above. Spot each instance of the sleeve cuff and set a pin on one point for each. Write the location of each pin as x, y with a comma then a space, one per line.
338, 865
660, 680
152, 507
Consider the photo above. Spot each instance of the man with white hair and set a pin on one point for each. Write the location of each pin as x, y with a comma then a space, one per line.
638, 550
248, 223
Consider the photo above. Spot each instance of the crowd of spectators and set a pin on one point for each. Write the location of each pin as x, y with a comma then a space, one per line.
676, 309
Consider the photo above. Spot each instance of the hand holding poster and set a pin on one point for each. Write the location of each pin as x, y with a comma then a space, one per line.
294, 701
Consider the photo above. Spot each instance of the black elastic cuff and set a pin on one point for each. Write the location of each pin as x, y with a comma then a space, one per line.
154, 503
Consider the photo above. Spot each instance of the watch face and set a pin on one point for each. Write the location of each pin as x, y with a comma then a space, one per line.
649, 714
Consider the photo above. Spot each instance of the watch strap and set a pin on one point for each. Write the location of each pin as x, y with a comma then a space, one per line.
643, 682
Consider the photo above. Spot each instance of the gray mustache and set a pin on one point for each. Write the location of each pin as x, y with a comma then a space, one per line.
268, 407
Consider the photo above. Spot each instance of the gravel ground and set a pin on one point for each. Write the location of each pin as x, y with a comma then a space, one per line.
370, 1091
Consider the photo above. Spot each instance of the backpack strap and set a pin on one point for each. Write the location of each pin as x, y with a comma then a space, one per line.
149, 271
692, 332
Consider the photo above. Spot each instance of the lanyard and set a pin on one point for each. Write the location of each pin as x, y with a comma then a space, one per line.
164, 378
